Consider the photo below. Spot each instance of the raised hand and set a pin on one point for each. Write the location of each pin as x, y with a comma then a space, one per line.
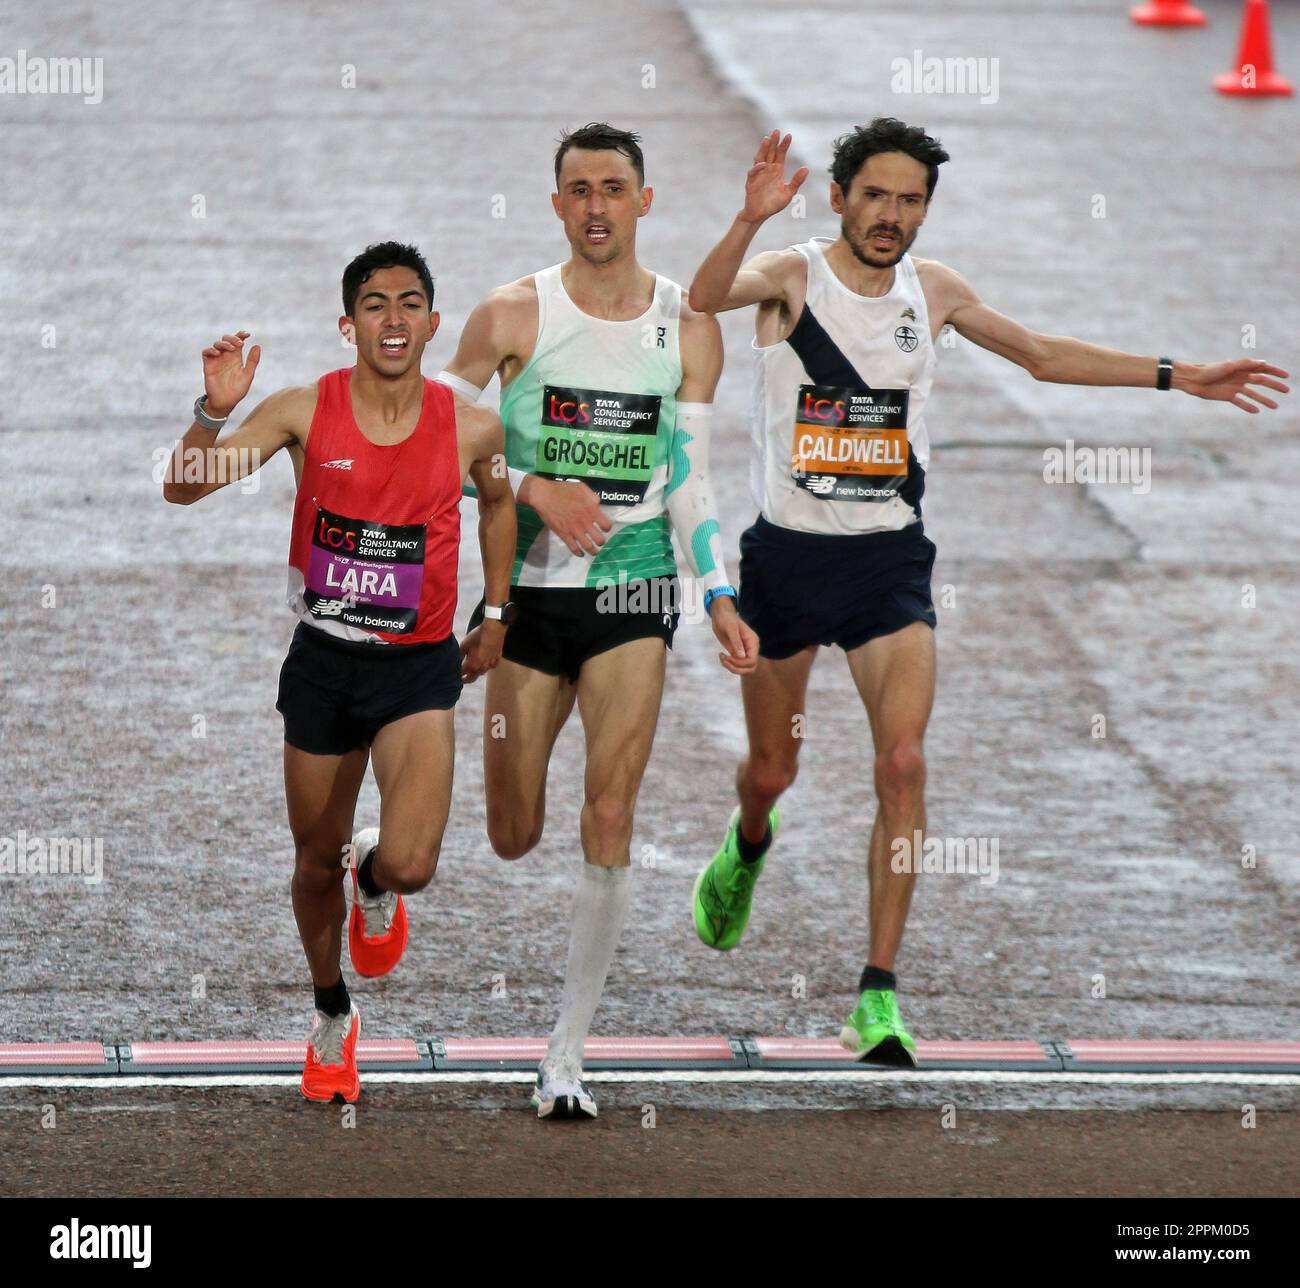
226, 377
766, 191
1232, 381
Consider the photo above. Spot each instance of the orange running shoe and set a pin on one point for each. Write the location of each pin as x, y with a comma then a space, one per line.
376, 927
331, 1069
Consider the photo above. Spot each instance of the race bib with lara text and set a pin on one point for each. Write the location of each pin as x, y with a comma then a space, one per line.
366, 575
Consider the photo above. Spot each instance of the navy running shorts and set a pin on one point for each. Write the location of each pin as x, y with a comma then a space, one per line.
802, 588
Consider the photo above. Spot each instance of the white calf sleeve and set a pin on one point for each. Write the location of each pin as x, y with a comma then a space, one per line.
599, 910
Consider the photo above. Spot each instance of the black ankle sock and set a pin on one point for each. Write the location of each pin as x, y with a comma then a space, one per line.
750, 851
366, 875
333, 1001
876, 977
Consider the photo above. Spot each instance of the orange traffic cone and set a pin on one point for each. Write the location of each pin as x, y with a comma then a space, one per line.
1254, 73
1167, 13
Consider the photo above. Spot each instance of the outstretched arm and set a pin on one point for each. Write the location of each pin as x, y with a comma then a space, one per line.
720, 282
201, 462
1063, 360
691, 510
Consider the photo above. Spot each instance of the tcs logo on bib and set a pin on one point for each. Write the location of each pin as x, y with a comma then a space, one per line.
334, 537
568, 412
824, 410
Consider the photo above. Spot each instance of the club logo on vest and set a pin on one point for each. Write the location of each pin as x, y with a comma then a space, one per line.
905, 338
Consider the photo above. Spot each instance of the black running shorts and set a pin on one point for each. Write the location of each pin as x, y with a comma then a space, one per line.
335, 695
802, 588
559, 628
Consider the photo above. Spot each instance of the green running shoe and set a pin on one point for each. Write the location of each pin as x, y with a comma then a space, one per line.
724, 891
875, 1032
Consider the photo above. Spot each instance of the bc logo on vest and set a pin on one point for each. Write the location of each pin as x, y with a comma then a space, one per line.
905, 338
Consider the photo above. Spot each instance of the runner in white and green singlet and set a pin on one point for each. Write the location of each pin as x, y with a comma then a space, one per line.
607, 379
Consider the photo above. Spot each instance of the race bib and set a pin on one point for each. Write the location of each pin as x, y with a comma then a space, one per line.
367, 575
850, 445
606, 440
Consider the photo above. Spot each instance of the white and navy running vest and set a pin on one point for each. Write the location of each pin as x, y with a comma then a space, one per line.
839, 439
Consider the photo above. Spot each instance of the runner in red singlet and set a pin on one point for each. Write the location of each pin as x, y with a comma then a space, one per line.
380, 455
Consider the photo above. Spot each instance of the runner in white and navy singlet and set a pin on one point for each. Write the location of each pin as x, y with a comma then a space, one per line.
838, 467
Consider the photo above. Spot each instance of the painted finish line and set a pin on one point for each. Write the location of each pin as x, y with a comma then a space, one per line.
681, 1077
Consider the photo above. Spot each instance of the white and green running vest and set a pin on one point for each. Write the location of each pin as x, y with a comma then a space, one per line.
597, 402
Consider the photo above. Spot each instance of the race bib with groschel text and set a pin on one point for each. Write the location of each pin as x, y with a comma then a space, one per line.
604, 439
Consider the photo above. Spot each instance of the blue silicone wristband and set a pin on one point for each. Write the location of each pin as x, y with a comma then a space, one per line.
711, 595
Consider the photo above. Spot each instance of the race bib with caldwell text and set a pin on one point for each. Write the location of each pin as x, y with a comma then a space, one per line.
604, 439
366, 575
850, 445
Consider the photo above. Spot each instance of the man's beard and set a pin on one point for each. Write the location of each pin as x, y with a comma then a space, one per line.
864, 256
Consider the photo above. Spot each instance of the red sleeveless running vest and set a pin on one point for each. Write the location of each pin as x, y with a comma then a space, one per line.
376, 530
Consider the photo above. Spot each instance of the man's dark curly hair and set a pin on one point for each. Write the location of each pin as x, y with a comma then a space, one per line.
885, 134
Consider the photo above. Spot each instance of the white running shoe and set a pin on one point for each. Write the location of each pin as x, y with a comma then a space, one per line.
378, 913
561, 1092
